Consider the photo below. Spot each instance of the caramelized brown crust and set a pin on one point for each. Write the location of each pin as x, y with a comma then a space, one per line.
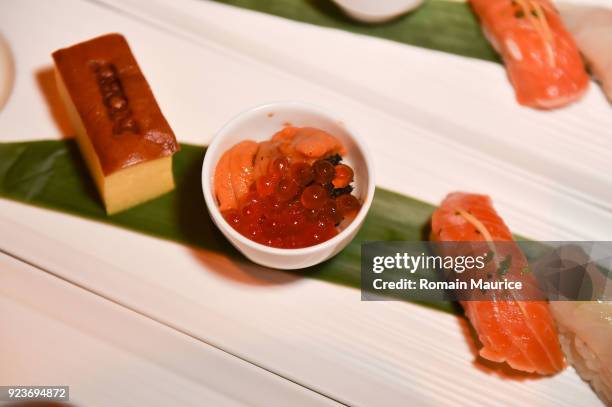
115, 102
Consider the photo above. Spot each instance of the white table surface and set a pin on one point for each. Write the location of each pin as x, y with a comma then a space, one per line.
547, 172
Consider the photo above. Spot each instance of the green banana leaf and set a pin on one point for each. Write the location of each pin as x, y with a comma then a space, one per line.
52, 174
438, 24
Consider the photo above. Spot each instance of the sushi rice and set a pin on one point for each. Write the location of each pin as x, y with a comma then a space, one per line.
585, 333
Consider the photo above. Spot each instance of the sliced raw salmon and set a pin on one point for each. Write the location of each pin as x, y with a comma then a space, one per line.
520, 333
541, 57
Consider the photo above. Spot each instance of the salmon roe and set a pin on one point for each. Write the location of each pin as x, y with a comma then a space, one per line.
296, 205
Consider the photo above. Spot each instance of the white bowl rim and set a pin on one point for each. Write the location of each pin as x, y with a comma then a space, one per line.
387, 10
213, 207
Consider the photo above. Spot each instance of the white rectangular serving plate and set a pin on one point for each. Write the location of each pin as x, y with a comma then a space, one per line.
435, 123
56, 333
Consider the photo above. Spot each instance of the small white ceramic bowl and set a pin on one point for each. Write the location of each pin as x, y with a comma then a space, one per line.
377, 11
259, 124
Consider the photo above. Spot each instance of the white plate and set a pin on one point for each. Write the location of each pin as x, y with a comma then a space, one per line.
61, 334
6, 72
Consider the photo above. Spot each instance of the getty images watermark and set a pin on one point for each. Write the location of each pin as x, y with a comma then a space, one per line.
480, 271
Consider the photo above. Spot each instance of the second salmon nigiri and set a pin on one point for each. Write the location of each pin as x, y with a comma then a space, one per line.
520, 333
541, 57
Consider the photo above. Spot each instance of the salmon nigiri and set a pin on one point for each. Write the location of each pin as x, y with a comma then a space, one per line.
541, 57
520, 333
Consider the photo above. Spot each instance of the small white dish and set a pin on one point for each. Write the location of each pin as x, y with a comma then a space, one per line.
259, 124
377, 11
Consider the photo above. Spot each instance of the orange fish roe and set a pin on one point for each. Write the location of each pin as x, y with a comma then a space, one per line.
295, 205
